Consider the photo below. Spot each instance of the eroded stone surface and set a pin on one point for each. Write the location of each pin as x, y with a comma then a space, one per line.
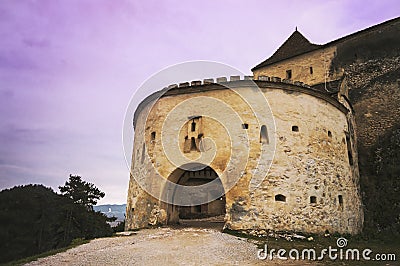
312, 136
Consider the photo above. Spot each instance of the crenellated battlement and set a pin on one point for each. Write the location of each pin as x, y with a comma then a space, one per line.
235, 78
208, 84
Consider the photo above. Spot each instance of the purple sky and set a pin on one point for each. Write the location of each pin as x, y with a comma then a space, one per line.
68, 69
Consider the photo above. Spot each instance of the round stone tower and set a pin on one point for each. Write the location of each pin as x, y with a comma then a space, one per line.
264, 154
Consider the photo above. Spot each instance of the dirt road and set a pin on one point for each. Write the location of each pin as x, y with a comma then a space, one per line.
163, 246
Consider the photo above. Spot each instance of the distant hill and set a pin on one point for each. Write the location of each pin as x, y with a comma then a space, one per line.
117, 210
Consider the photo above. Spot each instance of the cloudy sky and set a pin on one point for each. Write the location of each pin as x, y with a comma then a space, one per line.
68, 69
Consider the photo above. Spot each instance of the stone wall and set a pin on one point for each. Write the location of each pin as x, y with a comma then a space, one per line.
311, 68
328, 63
311, 185
375, 95
367, 64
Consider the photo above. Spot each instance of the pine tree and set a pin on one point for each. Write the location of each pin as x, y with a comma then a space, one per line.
81, 192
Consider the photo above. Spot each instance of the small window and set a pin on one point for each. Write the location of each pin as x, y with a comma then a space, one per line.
153, 135
311, 70
245, 126
340, 197
193, 144
288, 74
143, 153
264, 135
329, 134
295, 128
313, 199
186, 145
133, 209
350, 155
193, 126
280, 197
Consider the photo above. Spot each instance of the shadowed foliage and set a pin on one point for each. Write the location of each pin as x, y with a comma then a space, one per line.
35, 219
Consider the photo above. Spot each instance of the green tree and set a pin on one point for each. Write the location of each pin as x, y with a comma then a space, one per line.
31, 221
35, 219
81, 192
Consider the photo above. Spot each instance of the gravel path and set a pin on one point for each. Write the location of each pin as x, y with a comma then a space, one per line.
163, 246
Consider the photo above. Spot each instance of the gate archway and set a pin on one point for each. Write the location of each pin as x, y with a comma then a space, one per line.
213, 199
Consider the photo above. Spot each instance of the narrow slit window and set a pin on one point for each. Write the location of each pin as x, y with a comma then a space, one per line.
193, 144
329, 134
153, 135
340, 197
245, 126
280, 197
143, 153
186, 145
311, 70
289, 74
313, 199
264, 134
295, 128
193, 126
349, 153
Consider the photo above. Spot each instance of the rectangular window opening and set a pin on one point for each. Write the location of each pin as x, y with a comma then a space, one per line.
349, 151
289, 74
193, 146
340, 197
313, 199
280, 197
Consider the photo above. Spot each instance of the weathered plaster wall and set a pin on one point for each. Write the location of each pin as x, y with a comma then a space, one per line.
369, 62
308, 163
319, 60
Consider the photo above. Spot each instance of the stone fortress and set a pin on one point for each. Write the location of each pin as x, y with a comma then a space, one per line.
319, 97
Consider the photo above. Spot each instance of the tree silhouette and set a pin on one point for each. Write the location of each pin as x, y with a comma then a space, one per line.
81, 192
35, 219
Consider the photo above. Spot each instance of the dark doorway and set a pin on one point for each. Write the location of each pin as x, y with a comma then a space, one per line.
213, 208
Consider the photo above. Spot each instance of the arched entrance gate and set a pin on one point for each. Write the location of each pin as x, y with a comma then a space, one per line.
211, 197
